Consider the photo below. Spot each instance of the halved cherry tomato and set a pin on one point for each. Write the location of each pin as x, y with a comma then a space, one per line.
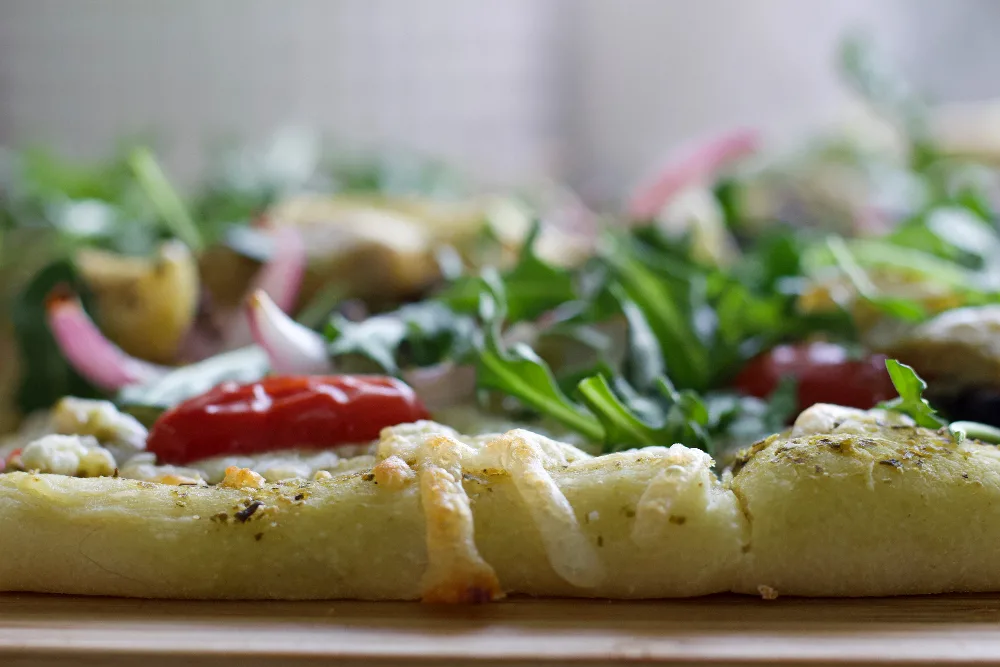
825, 373
310, 412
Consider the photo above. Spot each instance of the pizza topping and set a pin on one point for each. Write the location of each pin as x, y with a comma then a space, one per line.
311, 412
456, 572
143, 467
569, 550
825, 418
392, 473
68, 455
291, 347
242, 478
406, 440
523, 455
680, 488
92, 355
100, 419
824, 372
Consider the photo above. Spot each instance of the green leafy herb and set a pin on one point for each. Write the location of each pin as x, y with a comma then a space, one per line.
166, 200
420, 334
644, 362
532, 286
904, 309
685, 358
911, 401
622, 428
736, 420
962, 429
521, 373
243, 365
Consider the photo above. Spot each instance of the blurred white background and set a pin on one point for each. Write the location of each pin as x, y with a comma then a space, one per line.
591, 91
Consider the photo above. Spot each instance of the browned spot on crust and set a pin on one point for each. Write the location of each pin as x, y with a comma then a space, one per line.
392, 473
478, 590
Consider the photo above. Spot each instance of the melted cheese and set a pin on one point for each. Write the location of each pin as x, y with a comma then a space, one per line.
523, 456
456, 572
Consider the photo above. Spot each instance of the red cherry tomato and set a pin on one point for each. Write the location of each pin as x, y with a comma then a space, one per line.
825, 373
312, 412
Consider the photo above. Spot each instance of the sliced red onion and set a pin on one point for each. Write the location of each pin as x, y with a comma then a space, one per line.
292, 348
443, 384
97, 359
280, 279
690, 166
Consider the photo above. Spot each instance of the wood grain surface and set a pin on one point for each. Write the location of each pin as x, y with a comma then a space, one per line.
48, 630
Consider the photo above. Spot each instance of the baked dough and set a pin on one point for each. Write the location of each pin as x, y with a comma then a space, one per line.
870, 507
848, 503
527, 515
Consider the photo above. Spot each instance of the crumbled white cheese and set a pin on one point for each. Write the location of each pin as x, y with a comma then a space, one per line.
68, 455
101, 419
826, 418
277, 466
279, 469
143, 467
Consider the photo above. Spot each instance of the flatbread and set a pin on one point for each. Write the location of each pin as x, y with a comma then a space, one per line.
870, 509
848, 503
401, 530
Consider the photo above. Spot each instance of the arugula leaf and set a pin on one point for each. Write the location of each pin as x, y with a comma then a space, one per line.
521, 373
735, 420
961, 430
687, 415
420, 334
622, 428
644, 362
685, 357
168, 203
243, 365
911, 401
531, 287
904, 309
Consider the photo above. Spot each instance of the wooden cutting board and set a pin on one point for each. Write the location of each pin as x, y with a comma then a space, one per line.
48, 630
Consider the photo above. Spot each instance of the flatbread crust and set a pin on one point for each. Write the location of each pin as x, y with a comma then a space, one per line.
846, 504
888, 510
407, 538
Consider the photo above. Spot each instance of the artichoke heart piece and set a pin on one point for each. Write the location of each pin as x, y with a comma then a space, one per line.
377, 246
958, 348
145, 305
